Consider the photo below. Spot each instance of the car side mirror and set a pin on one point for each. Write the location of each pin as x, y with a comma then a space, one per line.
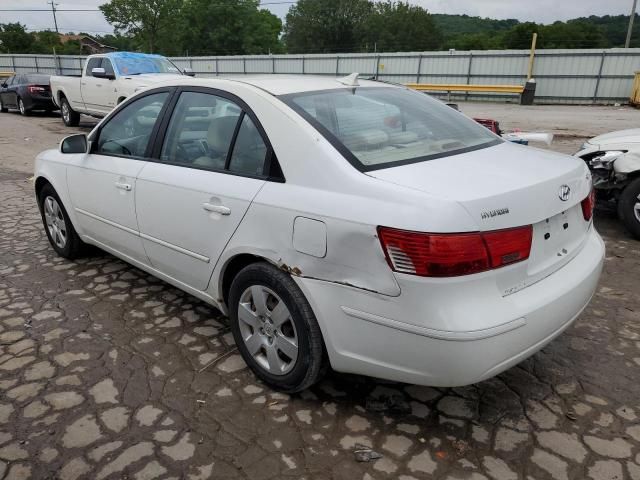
100, 72
4, 85
189, 71
74, 144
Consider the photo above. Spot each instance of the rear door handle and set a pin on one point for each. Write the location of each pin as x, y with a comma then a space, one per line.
221, 209
123, 186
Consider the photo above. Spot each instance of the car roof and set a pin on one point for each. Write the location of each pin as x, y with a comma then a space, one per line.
278, 84
130, 55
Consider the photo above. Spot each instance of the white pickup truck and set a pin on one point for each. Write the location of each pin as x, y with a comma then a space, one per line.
106, 80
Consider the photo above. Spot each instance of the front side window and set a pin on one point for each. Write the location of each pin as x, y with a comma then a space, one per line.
380, 127
108, 68
94, 62
200, 131
127, 133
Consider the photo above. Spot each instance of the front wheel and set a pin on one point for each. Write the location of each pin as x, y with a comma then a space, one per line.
629, 207
57, 225
70, 117
275, 329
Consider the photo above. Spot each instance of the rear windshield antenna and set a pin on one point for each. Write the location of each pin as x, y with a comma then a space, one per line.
349, 80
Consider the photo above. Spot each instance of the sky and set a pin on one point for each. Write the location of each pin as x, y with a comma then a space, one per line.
541, 11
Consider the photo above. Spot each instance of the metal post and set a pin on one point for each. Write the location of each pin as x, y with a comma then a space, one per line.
217, 71
595, 92
36, 61
244, 65
532, 55
466, 94
631, 18
377, 66
13, 63
273, 65
337, 65
419, 68
55, 20
303, 72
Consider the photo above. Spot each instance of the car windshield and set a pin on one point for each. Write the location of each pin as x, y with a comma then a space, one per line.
380, 127
139, 64
40, 79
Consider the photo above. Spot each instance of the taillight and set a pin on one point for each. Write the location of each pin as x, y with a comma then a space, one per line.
455, 254
588, 204
36, 89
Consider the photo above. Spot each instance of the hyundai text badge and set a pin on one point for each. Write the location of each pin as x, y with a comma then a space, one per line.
564, 193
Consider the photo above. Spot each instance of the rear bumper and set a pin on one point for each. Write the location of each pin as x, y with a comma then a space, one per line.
394, 337
34, 102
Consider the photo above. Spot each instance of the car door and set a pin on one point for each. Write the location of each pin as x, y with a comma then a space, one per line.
5, 94
211, 164
12, 91
102, 183
95, 90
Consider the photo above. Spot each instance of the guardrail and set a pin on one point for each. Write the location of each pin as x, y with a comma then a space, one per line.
589, 76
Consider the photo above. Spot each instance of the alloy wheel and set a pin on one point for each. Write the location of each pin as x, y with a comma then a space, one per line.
267, 330
55, 222
636, 209
21, 106
65, 112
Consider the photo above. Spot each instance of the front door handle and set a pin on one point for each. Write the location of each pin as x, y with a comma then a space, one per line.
123, 186
221, 209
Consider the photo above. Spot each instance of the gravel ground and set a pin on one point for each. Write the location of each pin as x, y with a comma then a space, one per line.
109, 373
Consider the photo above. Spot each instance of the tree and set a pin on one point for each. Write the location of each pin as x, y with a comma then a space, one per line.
398, 26
14, 38
152, 22
228, 28
519, 37
326, 26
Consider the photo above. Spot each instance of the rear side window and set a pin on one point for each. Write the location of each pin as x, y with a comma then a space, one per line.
211, 132
249, 151
380, 127
127, 133
200, 131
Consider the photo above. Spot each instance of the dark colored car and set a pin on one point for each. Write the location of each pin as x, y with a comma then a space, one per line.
26, 92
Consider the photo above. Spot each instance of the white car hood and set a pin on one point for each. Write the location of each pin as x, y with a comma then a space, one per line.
146, 79
524, 180
619, 137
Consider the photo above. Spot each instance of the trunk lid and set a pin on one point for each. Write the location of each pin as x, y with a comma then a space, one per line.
509, 186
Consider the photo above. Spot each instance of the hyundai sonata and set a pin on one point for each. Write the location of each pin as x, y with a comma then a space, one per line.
344, 223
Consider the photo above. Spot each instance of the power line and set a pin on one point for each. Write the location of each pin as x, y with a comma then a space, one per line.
289, 2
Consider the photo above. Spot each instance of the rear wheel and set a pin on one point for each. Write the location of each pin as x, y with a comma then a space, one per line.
23, 110
70, 117
275, 329
629, 207
57, 225
3, 109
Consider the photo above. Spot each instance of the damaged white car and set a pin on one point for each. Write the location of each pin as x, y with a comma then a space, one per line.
614, 159
343, 223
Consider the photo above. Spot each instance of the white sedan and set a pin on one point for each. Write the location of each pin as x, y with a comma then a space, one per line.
347, 223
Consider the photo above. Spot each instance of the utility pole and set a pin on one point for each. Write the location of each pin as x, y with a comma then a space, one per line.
631, 18
53, 10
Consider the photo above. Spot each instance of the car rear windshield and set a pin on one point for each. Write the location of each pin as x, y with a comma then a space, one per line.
39, 79
381, 127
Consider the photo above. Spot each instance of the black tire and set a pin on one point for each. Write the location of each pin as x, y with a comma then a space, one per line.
310, 363
73, 246
3, 109
22, 109
629, 207
70, 117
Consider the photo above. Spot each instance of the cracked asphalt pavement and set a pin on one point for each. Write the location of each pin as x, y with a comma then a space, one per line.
109, 373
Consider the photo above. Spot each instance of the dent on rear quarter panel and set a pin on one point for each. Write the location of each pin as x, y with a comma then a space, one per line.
354, 257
